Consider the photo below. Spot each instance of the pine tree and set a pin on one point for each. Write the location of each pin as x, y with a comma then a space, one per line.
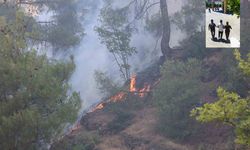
35, 99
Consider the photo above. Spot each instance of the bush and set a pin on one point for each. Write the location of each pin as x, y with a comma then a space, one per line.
179, 91
86, 141
195, 46
121, 121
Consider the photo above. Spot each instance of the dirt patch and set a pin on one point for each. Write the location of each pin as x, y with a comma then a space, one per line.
114, 142
97, 120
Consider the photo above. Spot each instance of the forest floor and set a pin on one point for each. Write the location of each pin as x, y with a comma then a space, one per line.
234, 36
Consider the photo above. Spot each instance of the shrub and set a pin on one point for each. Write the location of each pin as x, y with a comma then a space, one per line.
178, 92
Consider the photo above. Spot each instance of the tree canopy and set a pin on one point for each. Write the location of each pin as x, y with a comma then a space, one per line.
234, 6
115, 33
36, 101
61, 29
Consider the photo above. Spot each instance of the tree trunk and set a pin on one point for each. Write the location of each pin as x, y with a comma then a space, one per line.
213, 5
165, 48
225, 6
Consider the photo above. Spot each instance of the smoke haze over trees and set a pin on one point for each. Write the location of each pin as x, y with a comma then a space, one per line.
61, 58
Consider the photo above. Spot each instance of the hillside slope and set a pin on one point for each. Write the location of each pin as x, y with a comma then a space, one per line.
132, 125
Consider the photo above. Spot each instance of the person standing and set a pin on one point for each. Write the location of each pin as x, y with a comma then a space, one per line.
221, 28
227, 30
211, 27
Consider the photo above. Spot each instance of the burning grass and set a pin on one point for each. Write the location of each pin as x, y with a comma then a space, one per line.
123, 95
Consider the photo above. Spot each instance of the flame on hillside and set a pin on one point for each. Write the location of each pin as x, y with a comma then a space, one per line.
122, 95
133, 84
98, 107
144, 91
75, 128
118, 97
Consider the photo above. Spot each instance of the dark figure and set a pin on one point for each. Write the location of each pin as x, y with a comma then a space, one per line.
211, 27
209, 10
221, 28
227, 30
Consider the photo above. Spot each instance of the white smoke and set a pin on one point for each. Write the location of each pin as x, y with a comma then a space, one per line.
92, 55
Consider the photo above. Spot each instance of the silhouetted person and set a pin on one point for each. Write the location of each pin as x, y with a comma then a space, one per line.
221, 28
211, 27
209, 10
227, 30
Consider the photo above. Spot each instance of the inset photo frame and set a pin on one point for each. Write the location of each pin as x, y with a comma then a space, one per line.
222, 23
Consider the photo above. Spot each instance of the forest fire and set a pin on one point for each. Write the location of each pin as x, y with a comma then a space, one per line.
144, 91
98, 107
122, 95
133, 84
118, 97
141, 92
76, 127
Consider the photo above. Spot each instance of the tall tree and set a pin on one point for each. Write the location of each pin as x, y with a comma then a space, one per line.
188, 19
140, 9
63, 30
165, 48
35, 99
115, 34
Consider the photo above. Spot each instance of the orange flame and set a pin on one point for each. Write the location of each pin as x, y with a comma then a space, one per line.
118, 97
133, 84
122, 95
98, 107
143, 92
76, 127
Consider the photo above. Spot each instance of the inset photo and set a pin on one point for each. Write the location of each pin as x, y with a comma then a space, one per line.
222, 23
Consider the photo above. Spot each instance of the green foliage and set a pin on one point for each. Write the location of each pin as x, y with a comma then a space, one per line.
230, 109
105, 84
229, 74
67, 31
178, 92
35, 99
86, 141
62, 31
115, 34
243, 65
208, 5
234, 6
